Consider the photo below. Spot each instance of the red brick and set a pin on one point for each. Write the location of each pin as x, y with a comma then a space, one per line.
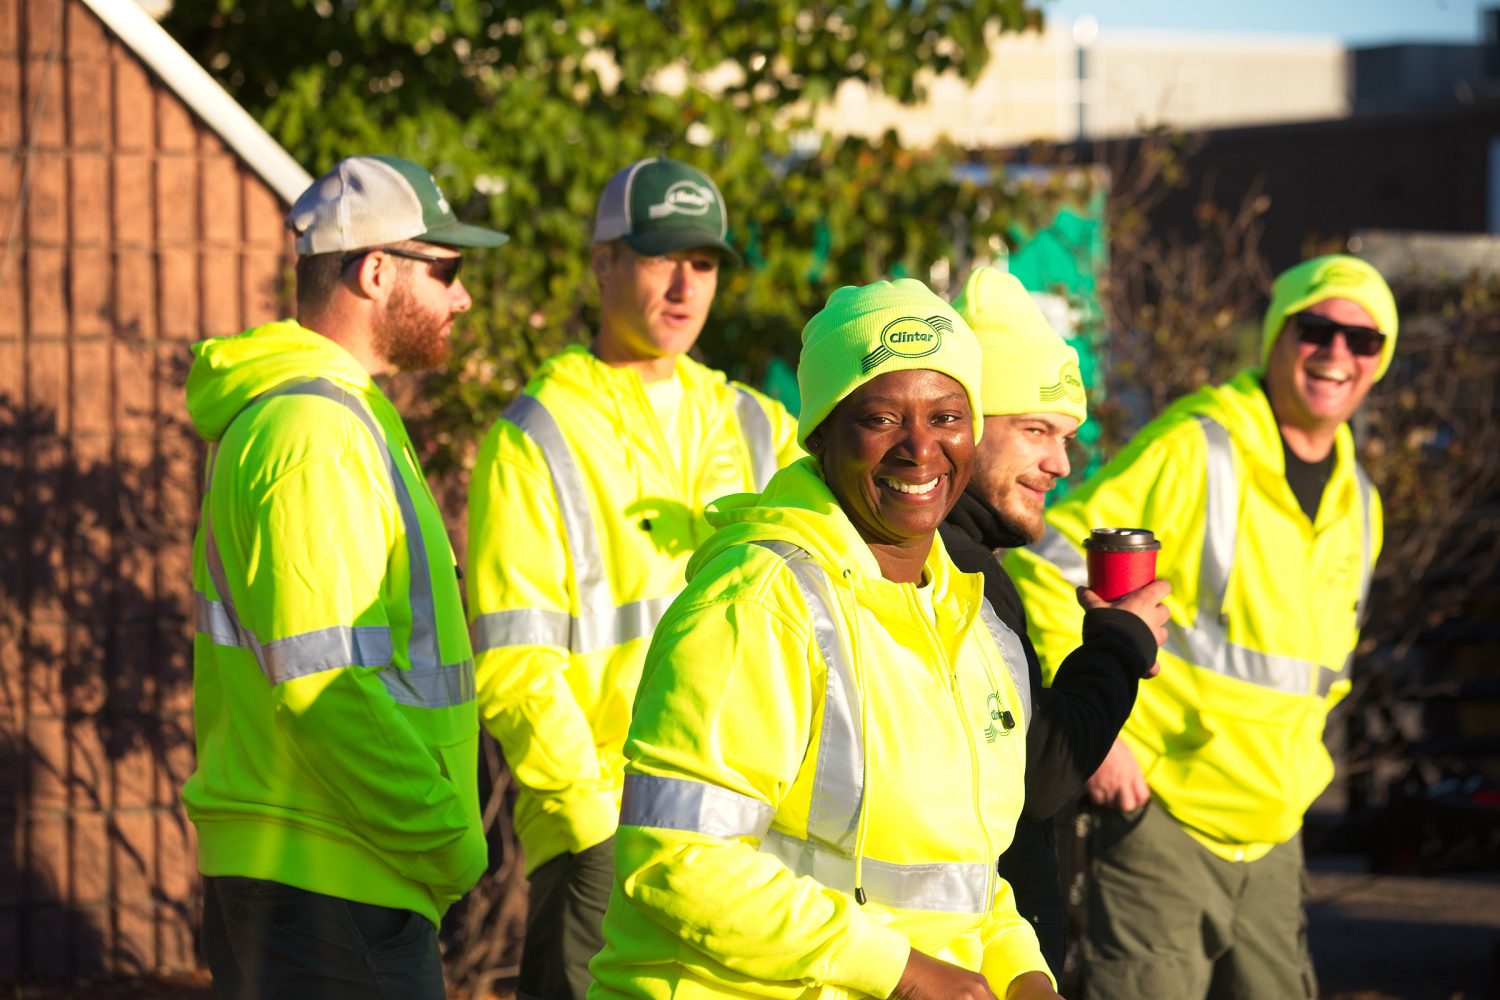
46, 292
88, 81
221, 293
174, 934
135, 773
46, 760
134, 104
12, 385
89, 276
135, 390
176, 201
44, 118
176, 129
133, 850
91, 857
174, 665
91, 940
219, 187
89, 208
44, 27
11, 136
177, 291
135, 939
135, 295
10, 27
47, 383
265, 214
177, 441
87, 692
132, 200
47, 200
12, 675
268, 288
11, 308
177, 853
92, 403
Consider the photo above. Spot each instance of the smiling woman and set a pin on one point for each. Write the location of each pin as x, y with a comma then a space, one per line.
828, 748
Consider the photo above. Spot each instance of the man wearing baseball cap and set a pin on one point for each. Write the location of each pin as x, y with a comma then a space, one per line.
335, 796
585, 503
1269, 533
1034, 401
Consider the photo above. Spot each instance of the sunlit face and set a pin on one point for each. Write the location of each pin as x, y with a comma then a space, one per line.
413, 328
653, 307
1315, 389
897, 453
1019, 459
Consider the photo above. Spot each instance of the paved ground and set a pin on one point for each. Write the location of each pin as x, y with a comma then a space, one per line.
1403, 937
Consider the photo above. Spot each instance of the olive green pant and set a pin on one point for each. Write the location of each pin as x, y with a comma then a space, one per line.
1170, 919
564, 924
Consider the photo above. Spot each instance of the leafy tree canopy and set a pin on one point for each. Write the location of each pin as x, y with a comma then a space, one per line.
524, 110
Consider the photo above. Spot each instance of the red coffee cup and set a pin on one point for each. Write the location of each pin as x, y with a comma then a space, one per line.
1121, 560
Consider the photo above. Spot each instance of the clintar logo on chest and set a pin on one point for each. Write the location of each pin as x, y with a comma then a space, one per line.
682, 198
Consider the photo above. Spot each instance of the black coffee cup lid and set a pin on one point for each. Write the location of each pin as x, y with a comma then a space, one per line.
1122, 540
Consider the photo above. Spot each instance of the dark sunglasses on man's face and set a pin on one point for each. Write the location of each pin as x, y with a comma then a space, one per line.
1319, 331
444, 269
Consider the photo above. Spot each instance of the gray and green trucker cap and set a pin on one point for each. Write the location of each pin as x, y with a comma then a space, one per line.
369, 201
659, 206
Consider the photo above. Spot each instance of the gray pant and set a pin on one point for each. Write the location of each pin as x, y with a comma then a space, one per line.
1168, 918
564, 926
265, 939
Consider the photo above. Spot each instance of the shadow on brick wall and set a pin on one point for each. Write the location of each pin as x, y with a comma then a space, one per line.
97, 873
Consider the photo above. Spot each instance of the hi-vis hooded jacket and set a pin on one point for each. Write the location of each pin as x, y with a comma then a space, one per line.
332, 679
583, 511
810, 737
1265, 609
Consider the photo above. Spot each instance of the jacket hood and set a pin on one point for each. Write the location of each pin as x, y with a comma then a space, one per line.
1241, 407
229, 372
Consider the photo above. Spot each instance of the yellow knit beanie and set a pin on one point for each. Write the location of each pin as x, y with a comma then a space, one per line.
1335, 276
887, 326
1028, 368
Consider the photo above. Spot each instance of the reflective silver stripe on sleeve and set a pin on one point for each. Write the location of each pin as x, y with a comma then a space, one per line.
1220, 522
756, 428
214, 620
839, 784
520, 627
309, 653
680, 804
954, 887
600, 624
1063, 555
428, 682
1012, 652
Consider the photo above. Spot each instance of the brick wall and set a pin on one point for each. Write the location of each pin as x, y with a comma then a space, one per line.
127, 231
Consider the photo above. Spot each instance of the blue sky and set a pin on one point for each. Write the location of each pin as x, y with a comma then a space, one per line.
1354, 22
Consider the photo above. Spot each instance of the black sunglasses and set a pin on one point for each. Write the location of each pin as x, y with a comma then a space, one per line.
1319, 331
444, 269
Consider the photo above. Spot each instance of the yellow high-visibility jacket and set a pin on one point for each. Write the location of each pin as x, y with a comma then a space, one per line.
1265, 610
333, 687
582, 516
824, 768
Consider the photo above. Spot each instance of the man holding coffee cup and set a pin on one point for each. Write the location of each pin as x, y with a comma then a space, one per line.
1269, 532
1034, 401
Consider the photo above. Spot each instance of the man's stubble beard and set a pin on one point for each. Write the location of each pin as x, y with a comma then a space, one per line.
408, 336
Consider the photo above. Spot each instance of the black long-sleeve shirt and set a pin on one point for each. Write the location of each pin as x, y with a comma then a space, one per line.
1073, 723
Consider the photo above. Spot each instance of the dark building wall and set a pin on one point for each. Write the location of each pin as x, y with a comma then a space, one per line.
131, 231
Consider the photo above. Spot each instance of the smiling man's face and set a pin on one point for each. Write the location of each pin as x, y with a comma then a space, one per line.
1316, 388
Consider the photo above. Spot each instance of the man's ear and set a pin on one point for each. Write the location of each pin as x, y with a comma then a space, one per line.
601, 256
373, 276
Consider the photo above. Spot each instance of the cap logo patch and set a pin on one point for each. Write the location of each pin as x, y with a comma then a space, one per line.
907, 337
682, 198
1069, 385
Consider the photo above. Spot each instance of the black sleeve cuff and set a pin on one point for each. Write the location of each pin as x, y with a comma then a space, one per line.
1123, 629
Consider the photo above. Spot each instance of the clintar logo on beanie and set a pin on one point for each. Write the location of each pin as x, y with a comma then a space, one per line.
682, 198
907, 337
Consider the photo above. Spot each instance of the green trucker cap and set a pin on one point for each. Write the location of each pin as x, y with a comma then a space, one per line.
369, 201
659, 206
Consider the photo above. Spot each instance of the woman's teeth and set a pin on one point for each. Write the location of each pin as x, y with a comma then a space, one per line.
917, 488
